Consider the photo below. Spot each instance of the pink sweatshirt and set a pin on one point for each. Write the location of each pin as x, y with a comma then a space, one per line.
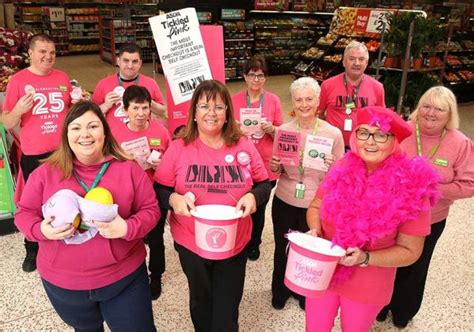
457, 178
98, 262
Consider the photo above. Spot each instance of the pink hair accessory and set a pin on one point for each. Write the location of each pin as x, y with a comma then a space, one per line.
380, 121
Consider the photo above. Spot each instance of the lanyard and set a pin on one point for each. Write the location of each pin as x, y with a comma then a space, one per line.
120, 81
96, 180
356, 90
298, 129
419, 147
249, 103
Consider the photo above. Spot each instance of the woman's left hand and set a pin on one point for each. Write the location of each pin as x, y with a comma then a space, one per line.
354, 256
154, 163
248, 204
115, 229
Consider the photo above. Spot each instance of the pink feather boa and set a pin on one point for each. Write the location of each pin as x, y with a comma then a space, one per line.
365, 208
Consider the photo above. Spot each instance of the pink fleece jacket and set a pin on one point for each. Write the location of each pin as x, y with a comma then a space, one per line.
98, 262
457, 178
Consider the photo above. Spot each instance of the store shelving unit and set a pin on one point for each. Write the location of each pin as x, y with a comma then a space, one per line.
238, 44
29, 16
139, 15
114, 33
54, 24
83, 27
281, 37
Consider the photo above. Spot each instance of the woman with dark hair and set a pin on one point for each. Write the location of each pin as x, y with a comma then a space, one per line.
212, 163
104, 277
263, 109
145, 139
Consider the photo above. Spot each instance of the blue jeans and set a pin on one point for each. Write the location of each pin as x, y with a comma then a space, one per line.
125, 305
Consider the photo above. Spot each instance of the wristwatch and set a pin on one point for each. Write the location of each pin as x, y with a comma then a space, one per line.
365, 263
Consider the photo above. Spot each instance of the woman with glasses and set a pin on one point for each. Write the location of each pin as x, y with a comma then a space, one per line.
145, 140
299, 181
375, 203
259, 112
451, 154
212, 163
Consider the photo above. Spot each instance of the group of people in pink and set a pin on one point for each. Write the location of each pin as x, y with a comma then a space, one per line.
382, 191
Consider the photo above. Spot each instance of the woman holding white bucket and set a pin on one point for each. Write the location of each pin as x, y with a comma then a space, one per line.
212, 178
301, 170
375, 203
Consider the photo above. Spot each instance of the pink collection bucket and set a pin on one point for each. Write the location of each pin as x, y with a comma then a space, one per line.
311, 264
215, 230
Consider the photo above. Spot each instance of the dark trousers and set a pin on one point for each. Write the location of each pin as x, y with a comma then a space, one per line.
215, 289
125, 305
156, 264
285, 217
28, 164
258, 221
410, 280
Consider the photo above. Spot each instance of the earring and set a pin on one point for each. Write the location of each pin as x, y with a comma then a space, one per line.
194, 119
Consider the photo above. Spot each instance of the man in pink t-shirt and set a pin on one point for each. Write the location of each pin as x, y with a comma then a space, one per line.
343, 94
109, 91
37, 100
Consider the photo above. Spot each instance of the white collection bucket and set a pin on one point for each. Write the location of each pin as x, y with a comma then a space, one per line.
311, 264
215, 229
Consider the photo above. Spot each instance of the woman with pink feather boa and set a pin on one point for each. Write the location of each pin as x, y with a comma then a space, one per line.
375, 203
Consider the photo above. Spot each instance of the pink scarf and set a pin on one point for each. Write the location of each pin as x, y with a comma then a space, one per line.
365, 208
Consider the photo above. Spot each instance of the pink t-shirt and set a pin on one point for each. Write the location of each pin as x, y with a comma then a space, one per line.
156, 134
115, 115
285, 189
40, 129
374, 284
214, 176
271, 109
457, 178
333, 100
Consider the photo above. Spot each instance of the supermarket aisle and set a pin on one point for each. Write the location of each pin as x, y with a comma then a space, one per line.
448, 301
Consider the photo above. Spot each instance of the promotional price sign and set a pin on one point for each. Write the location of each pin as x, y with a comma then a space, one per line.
181, 50
56, 14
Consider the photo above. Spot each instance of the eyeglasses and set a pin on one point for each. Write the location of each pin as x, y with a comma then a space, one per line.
253, 76
379, 137
205, 108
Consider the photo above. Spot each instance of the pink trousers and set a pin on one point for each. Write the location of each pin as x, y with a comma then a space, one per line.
355, 316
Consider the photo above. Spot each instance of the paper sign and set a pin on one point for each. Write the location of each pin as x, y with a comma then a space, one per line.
250, 119
287, 147
181, 50
376, 20
315, 151
139, 150
56, 14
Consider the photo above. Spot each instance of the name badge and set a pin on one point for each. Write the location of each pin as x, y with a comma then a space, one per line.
299, 190
348, 125
441, 162
155, 141
350, 105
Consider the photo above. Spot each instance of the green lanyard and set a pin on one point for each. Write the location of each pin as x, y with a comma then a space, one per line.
419, 147
249, 103
120, 81
96, 180
298, 129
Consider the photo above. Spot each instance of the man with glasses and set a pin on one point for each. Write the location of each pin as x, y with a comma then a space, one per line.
343, 94
109, 91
